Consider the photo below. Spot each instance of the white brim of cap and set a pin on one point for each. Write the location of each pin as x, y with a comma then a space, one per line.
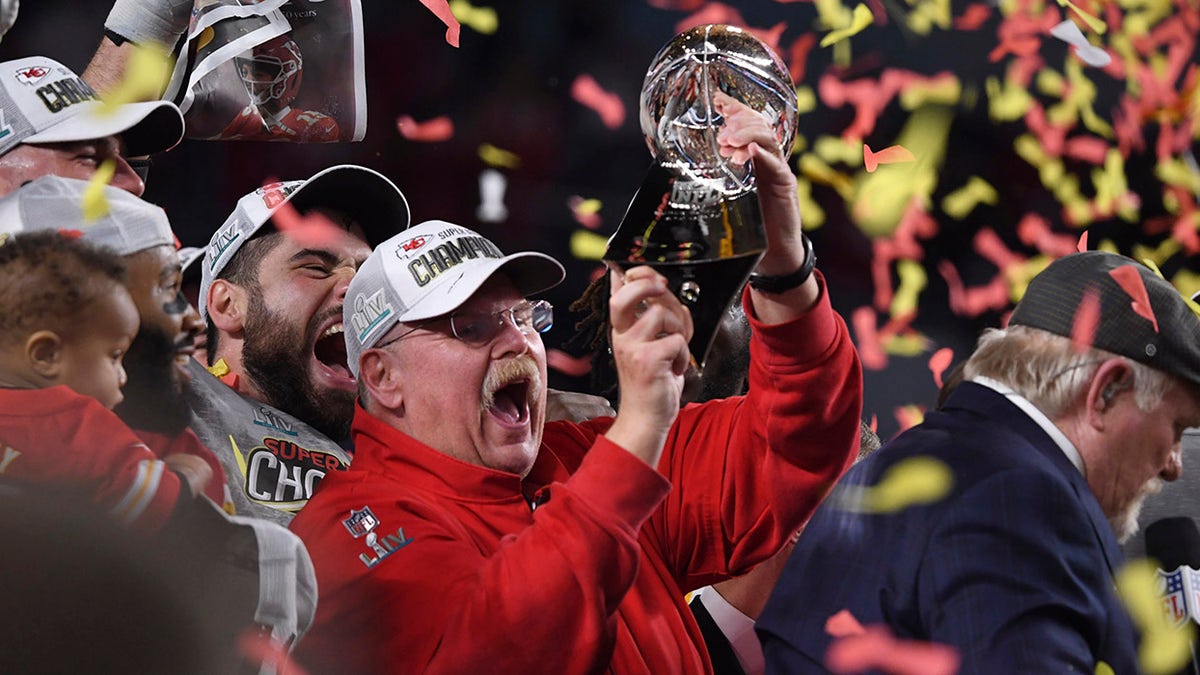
146, 127
530, 272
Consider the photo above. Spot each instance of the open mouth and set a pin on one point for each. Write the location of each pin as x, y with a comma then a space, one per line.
330, 351
510, 403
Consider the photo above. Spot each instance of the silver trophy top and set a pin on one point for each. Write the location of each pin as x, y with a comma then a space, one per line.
677, 116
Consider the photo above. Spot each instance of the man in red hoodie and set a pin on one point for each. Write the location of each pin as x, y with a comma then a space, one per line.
471, 536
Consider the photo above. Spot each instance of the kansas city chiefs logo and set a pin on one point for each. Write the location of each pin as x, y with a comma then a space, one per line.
32, 74
413, 244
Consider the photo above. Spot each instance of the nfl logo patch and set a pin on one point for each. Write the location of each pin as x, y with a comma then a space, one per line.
360, 522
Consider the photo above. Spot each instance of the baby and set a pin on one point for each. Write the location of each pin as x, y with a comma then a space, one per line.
66, 320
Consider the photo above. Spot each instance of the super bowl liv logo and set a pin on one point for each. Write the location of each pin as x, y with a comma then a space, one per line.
369, 313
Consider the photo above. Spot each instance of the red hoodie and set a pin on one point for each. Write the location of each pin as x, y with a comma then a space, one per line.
427, 564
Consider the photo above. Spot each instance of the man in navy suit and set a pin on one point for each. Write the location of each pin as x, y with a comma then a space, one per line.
1053, 444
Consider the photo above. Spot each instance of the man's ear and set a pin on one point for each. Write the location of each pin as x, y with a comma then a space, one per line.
227, 306
379, 376
44, 351
1111, 378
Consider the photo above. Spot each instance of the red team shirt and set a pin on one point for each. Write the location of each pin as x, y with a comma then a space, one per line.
61, 440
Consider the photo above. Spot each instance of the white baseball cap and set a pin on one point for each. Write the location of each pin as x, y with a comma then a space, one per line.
366, 196
55, 203
429, 270
43, 101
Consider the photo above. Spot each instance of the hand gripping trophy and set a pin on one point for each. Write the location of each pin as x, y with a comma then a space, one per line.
696, 217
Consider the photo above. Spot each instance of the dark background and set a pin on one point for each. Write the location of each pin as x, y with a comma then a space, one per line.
512, 89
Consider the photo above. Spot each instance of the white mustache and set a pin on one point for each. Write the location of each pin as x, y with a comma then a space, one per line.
519, 368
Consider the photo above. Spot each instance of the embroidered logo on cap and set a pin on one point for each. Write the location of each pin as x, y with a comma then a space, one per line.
369, 314
32, 74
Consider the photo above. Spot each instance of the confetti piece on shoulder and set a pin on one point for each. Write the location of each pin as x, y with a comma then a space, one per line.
433, 130
939, 362
861, 18
95, 204
586, 91
441, 9
146, 74
1130, 281
917, 480
480, 19
877, 649
1164, 648
842, 624
493, 156
893, 154
566, 364
1086, 321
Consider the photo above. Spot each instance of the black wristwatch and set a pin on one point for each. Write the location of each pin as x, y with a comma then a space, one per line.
786, 282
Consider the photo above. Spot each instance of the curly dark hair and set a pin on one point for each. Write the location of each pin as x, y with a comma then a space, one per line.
48, 278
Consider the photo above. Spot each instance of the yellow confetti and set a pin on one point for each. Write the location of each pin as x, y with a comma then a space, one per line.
1007, 102
815, 169
928, 14
909, 482
493, 156
945, 91
1156, 255
962, 201
1164, 649
479, 19
587, 245
912, 281
860, 20
1103, 668
1092, 22
1188, 284
882, 196
906, 344
806, 100
811, 213
836, 149
95, 205
1176, 172
588, 207
146, 74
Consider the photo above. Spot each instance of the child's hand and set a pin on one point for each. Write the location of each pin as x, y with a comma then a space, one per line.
195, 471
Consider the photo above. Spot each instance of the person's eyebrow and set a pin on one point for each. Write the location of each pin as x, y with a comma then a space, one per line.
323, 255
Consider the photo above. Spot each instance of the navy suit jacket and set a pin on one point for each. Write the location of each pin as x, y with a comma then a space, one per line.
1014, 568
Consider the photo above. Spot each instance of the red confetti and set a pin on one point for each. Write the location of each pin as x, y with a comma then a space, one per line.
312, 230
876, 649
770, 36
893, 154
1131, 282
712, 12
1087, 148
939, 362
874, 423
974, 17
989, 245
870, 348
907, 416
441, 9
567, 364
586, 91
972, 302
1082, 245
798, 55
842, 624
1087, 319
430, 131
258, 648
1034, 231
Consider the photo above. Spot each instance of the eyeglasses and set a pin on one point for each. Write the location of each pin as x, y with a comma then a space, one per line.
479, 328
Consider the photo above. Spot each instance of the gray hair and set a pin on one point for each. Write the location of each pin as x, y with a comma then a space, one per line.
1050, 372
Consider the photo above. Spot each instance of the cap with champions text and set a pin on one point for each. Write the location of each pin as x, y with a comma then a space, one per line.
367, 197
43, 101
132, 224
1054, 295
430, 270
